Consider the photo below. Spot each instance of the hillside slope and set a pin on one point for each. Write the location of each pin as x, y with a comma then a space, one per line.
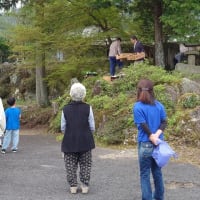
112, 104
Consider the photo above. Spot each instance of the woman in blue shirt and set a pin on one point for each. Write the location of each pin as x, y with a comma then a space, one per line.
150, 119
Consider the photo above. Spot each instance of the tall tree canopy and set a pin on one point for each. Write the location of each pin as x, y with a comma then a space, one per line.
79, 28
4, 50
84, 25
166, 20
183, 17
149, 13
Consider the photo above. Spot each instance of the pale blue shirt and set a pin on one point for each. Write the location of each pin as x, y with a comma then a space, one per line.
90, 120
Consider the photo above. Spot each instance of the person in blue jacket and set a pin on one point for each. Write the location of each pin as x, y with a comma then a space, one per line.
137, 48
150, 119
137, 45
13, 115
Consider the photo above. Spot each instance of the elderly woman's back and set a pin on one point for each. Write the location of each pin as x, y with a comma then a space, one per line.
78, 135
77, 124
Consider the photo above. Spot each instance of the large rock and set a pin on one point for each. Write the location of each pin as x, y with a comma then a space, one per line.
172, 93
189, 86
14, 79
97, 88
192, 126
195, 117
6, 68
189, 126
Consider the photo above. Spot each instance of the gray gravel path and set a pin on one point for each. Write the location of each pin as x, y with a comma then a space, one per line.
37, 172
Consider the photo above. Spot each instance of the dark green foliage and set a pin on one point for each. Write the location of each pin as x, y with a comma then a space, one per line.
5, 93
112, 132
190, 100
60, 75
160, 93
7, 4
183, 18
4, 50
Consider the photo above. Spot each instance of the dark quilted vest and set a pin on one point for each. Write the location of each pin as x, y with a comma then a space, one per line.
78, 136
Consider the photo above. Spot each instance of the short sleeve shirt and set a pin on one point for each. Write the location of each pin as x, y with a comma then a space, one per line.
152, 115
12, 118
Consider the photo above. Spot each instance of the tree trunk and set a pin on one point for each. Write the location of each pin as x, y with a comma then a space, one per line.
159, 50
41, 87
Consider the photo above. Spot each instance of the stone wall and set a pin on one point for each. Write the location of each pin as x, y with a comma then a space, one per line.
187, 69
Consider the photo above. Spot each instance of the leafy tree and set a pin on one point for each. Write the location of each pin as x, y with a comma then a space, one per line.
183, 17
40, 54
29, 39
149, 13
167, 19
48, 26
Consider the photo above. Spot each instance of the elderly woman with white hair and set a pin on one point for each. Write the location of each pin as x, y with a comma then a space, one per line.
77, 124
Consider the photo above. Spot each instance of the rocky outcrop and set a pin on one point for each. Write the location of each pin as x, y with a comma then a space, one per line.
188, 69
97, 88
195, 117
172, 93
16, 82
189, 127
189, 86
176, 93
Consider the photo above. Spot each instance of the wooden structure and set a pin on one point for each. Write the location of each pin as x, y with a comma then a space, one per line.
131, 56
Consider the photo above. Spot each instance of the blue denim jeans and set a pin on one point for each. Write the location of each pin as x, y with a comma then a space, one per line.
11, 135
147, 164
113, 63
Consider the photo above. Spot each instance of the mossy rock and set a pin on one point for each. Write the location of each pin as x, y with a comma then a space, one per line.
189, 100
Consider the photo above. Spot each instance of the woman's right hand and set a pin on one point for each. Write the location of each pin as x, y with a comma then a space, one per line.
154, 138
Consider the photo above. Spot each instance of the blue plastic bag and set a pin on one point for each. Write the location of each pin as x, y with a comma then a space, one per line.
162, 153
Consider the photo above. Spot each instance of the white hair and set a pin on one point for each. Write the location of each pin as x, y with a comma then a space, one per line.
77, 92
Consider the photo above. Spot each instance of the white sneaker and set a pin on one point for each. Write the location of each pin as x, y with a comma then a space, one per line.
73, 190
84, 189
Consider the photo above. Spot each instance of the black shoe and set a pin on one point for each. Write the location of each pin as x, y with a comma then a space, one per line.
3, 151
14, 150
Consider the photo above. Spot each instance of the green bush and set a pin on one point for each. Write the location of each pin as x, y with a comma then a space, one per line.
61, 102
100, 102
190, 100
160, 93
135, 72
112, 132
